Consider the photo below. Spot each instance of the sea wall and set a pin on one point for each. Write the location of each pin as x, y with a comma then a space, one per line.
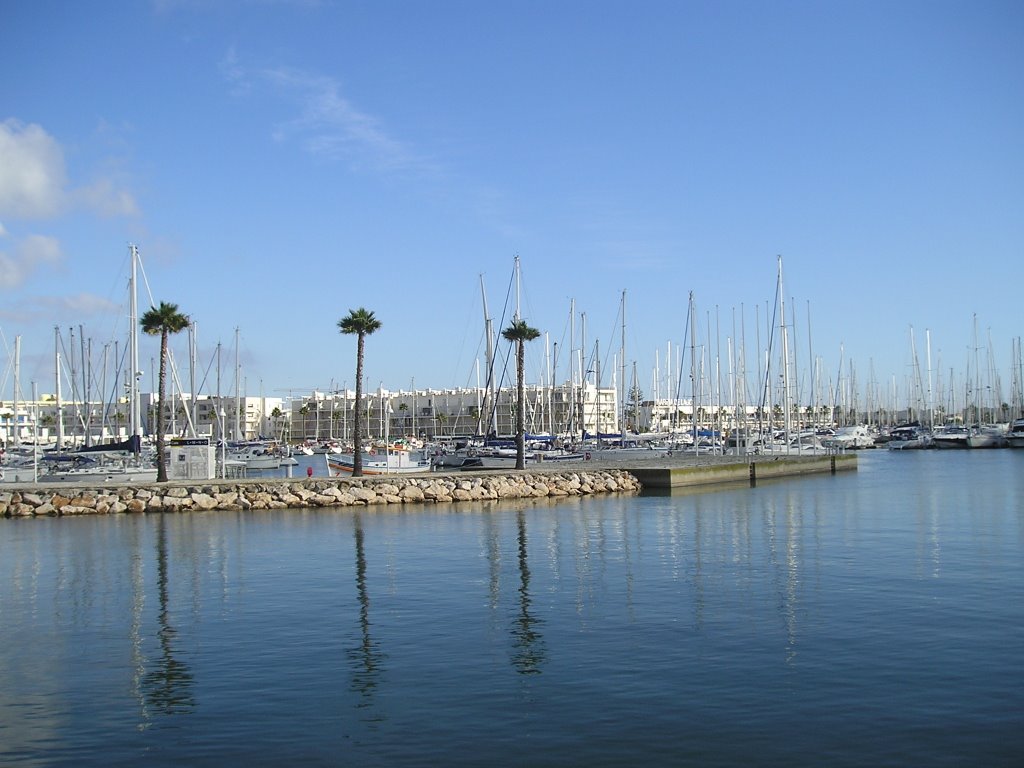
723, 469
315, 492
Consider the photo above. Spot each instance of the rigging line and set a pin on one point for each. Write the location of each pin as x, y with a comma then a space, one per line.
206, 373
682, 360
9, 368
3, 338
470, 383
616, 325
108, 404
145, 280
561, 345
467, 323
498, 336
65, 365
771, 340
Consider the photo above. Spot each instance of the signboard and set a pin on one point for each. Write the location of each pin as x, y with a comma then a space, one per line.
191, 458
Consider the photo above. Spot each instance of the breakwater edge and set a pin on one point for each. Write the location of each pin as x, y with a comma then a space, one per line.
427, 488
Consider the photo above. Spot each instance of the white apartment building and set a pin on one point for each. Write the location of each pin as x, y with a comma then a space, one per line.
434, 413
42, 421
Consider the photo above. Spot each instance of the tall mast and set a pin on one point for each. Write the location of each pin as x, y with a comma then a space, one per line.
549, 381
17, 381
693, 372
785, 358
622, 368
134, 402
238, 394
636, 405
977, 375
518, 280
928, 360
56, 371
813, 369
597, 391
489, 399
193, 333
572, 367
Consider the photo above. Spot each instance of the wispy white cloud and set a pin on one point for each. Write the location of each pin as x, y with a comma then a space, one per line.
34, 182
32, 176
29, 254
107, 199
234, 74
327, 124
58, 309
79, 304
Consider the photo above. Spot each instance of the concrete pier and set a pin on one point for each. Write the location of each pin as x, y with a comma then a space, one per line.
719, 470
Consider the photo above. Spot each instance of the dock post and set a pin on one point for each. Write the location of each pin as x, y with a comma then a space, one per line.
753, 475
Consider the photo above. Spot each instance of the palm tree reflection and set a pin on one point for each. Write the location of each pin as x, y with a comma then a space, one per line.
366, 658
168, 687
529, 653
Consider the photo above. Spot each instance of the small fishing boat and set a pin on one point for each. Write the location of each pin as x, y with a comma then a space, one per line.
379, 463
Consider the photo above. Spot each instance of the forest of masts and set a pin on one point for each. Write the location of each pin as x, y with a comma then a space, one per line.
709, 384
703, 383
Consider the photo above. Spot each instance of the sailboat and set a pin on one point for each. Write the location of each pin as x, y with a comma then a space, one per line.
121, 462
984, 435
1015, 432
20, 463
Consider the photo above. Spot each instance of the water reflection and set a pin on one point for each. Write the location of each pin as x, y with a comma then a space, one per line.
167, 687
746, 613
492, 537
529, 654
366, 658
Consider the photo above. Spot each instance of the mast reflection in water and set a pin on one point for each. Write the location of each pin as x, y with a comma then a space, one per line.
866, 618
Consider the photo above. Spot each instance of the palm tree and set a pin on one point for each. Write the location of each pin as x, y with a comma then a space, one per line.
520, 333
162, 321
361, 322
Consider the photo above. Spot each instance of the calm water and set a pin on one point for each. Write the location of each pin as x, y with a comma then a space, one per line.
871, 618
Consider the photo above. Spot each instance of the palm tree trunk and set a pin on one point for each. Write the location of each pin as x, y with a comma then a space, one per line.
161, 460
521, 406
357, 429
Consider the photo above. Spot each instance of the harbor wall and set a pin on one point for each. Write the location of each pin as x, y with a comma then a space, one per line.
737, 471
314, 492
427, 488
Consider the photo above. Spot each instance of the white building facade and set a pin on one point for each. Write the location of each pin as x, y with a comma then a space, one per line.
443, 413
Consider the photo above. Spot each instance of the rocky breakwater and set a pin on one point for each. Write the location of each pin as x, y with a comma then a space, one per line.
316, 492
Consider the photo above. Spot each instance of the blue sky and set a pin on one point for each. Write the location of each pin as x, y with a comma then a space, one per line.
279, 163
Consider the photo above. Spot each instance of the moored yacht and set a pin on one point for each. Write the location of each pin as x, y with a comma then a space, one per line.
908, 437
950, 436
852, 437
987, 436
1015, 434
96, 468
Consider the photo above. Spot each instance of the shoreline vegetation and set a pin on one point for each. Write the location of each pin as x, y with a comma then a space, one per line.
403, 490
